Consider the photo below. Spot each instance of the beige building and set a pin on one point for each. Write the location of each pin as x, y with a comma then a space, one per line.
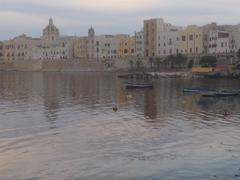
62, 48
192, 40
84, 47
81, 47
19, 48
126, 45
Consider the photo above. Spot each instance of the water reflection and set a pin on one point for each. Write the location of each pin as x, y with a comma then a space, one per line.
153, 131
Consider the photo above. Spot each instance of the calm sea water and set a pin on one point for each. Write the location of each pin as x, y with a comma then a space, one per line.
62, 126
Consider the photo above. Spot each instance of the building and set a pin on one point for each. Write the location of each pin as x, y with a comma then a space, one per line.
81, 48
1, 51
84, 47
218, 42
192, 40
125, 45
139, 41
50, 33
91, 43
19, 48
160, 38
62, 48
105, 47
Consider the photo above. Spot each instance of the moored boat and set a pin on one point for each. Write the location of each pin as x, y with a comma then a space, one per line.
138, 85
220, 94
198, 90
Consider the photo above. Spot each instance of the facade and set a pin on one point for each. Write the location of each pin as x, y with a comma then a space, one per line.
139, 40
62, 48
19, 48
81, 48
218, 42
84, 47
192, 40
160, 38
125, 45
105, 47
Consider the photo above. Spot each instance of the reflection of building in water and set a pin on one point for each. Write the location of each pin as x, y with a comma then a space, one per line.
52, 96
150, 108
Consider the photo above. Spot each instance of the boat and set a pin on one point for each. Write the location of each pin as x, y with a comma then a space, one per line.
198, 90
220, 94
137, 85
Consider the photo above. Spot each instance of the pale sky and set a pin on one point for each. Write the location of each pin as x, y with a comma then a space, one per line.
74, 17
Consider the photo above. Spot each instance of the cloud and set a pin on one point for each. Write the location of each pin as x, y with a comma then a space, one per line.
110, 16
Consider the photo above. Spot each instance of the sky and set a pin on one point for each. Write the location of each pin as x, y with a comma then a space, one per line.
74, 17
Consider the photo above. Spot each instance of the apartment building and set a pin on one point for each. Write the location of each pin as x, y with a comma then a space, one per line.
125, 45
139, 41
192, 40
160, 38
218, 42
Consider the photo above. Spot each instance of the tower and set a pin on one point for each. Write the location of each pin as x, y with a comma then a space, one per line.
91, 43
50, 33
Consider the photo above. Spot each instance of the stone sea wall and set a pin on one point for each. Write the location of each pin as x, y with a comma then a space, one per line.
72, 65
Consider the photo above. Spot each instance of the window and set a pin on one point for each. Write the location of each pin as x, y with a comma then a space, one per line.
183, 38
191, 37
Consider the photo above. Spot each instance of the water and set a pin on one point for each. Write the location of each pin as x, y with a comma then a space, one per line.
62, 126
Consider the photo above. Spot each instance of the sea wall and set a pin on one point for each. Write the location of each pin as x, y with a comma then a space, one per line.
123, 64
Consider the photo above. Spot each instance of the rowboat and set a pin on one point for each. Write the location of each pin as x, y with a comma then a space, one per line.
198, 90
220, 94
138, 85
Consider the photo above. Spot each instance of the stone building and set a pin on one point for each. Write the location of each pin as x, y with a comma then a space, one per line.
218, 42
62, 48
81, 47
50, 33
192, 40
105, 47
19, 48
125, 45
84, 47
160, 38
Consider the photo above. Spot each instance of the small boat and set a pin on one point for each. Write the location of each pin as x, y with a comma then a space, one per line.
197, 90
138, 85
220, 94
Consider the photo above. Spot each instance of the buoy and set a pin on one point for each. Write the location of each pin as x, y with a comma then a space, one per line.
226, 113
115, 108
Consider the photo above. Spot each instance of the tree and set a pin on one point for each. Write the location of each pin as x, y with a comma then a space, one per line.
131, 64
158, 62
139, 63
238, 55
208, 61
190, 64
151, 62
180, 59
175, 60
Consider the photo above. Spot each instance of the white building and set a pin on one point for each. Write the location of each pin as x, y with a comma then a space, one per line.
106, 46
62, 48
160, 38
218, 42
139, 38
